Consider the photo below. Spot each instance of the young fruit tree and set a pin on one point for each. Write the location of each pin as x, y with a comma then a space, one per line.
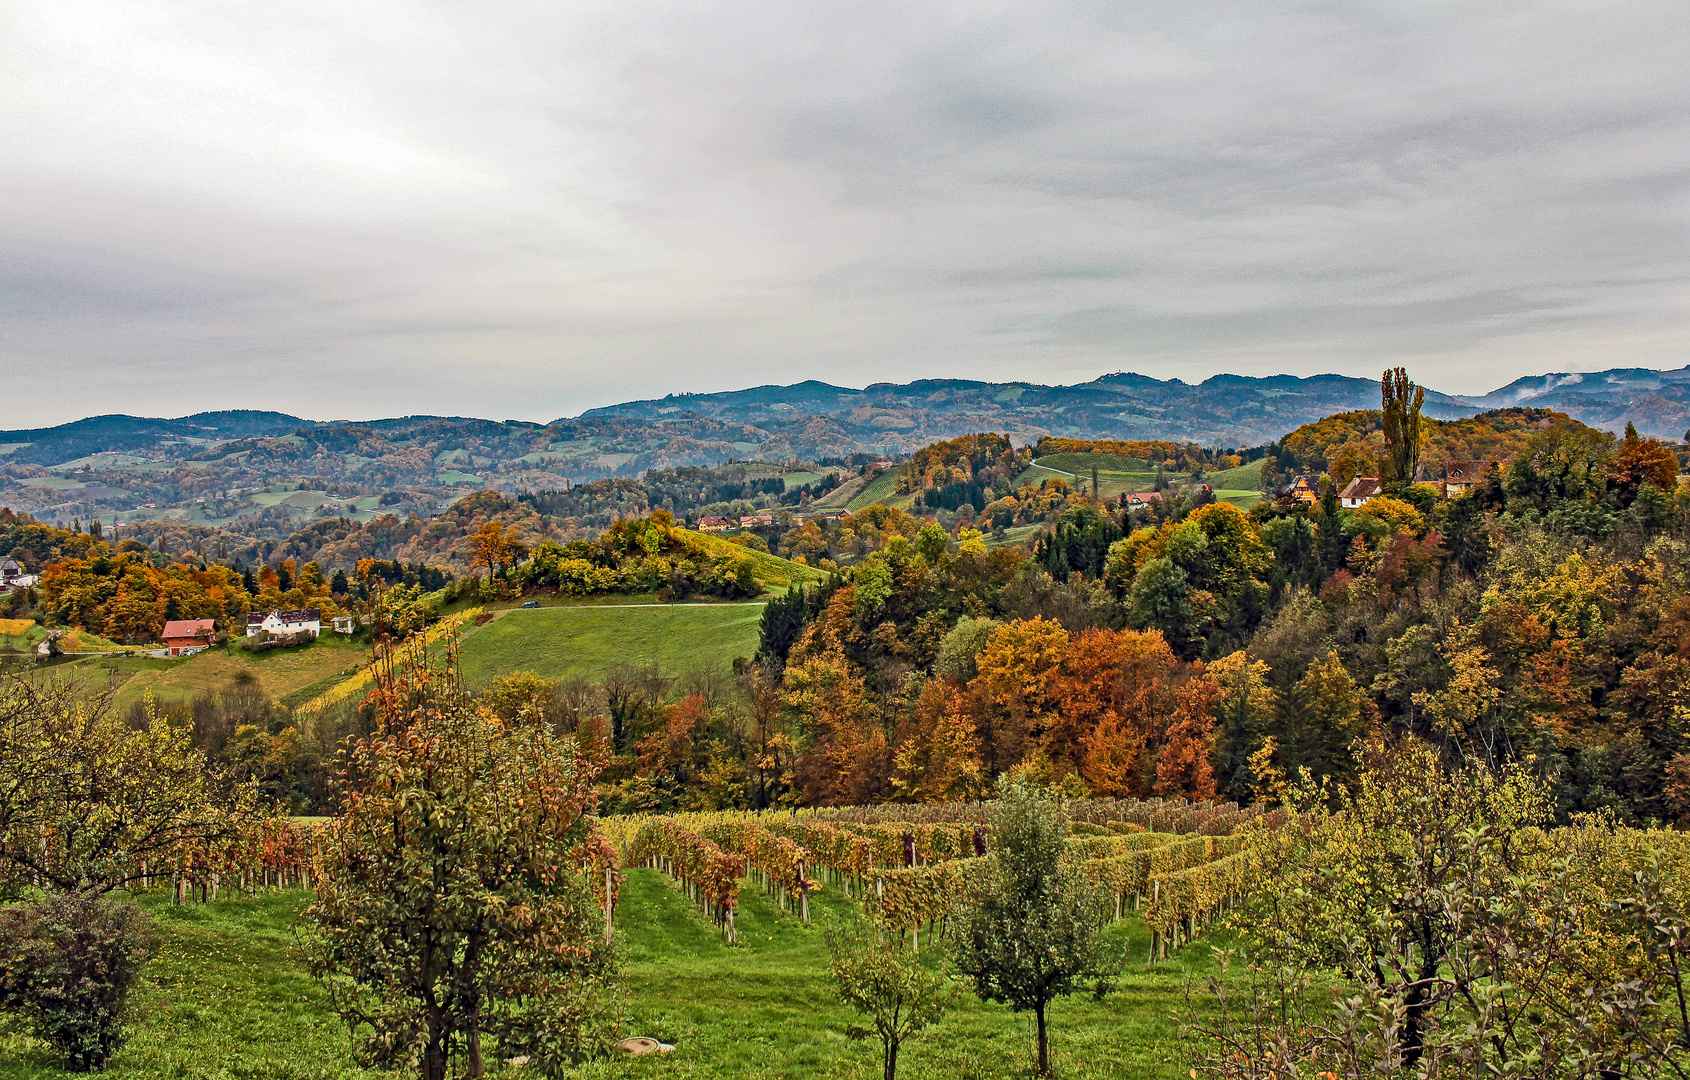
455, 915
90, 804
884, 981
1026, 932
1468, 938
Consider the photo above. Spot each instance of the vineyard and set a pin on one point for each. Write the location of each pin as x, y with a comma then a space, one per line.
1176, 864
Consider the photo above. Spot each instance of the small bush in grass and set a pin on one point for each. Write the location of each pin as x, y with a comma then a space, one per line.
883, 979
67, 963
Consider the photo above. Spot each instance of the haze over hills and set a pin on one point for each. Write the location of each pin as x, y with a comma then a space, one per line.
217, 467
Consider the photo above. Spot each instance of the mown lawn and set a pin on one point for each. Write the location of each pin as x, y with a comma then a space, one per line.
558, 642
227, 999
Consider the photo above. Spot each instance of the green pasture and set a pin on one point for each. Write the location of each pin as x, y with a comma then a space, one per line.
882, 489
287, 675
227, 999
589, 640
840, 497
1245, 477
1104, 463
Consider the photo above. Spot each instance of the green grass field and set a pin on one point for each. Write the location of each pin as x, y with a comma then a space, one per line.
285, 674
588, 640
227, 999
1114, 477
1106, 463
882, 489
840, 497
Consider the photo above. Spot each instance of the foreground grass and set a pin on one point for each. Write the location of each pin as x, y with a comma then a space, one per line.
226, 999
558, 642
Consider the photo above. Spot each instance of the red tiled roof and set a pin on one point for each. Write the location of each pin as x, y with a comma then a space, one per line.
190, 628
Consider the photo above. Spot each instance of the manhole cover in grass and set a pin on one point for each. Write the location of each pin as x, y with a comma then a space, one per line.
642, 1045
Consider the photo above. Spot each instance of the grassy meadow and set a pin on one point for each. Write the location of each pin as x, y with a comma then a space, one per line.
590, 639
287, 675
227, 999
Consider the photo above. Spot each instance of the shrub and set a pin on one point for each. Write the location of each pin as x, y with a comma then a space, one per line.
67, 963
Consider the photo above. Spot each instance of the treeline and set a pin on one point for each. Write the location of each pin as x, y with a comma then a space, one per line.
127, 591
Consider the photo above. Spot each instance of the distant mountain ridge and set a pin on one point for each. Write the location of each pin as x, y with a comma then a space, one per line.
1658, 402
1232, 410
280, 470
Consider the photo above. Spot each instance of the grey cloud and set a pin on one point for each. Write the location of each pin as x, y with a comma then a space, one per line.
525, 209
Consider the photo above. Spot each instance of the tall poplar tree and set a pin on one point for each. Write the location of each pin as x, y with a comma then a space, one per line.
1400, 400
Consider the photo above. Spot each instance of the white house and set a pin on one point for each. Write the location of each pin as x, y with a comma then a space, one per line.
301, 621
1358, 491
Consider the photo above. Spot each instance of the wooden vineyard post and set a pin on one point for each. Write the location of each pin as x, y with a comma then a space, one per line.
733, 935
979, 841
609, 906
909, 849
1155, 935
803, 891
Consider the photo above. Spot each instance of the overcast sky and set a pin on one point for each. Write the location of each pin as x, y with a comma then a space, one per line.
523, 209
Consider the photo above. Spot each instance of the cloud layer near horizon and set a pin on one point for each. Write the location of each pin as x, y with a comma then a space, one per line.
523, 209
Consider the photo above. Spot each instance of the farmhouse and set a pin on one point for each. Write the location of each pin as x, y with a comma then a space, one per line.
751, 521
301, 621
1358, 491
1460, 476
185, 637
1304, 492
714, 524
1141, 500
13, 575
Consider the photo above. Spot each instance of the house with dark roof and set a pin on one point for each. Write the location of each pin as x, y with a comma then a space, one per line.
1358, 491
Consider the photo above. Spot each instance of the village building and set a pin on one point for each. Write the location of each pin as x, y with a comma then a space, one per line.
1304, 492
13, 575
714, 524
1358, 491
299, 621
1461, 476
752, 521
185, 637
1143, 499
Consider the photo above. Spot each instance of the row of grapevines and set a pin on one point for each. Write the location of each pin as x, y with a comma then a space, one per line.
1131, 873
709, 874
896, 842
780, 865
908, 897
1102, 847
